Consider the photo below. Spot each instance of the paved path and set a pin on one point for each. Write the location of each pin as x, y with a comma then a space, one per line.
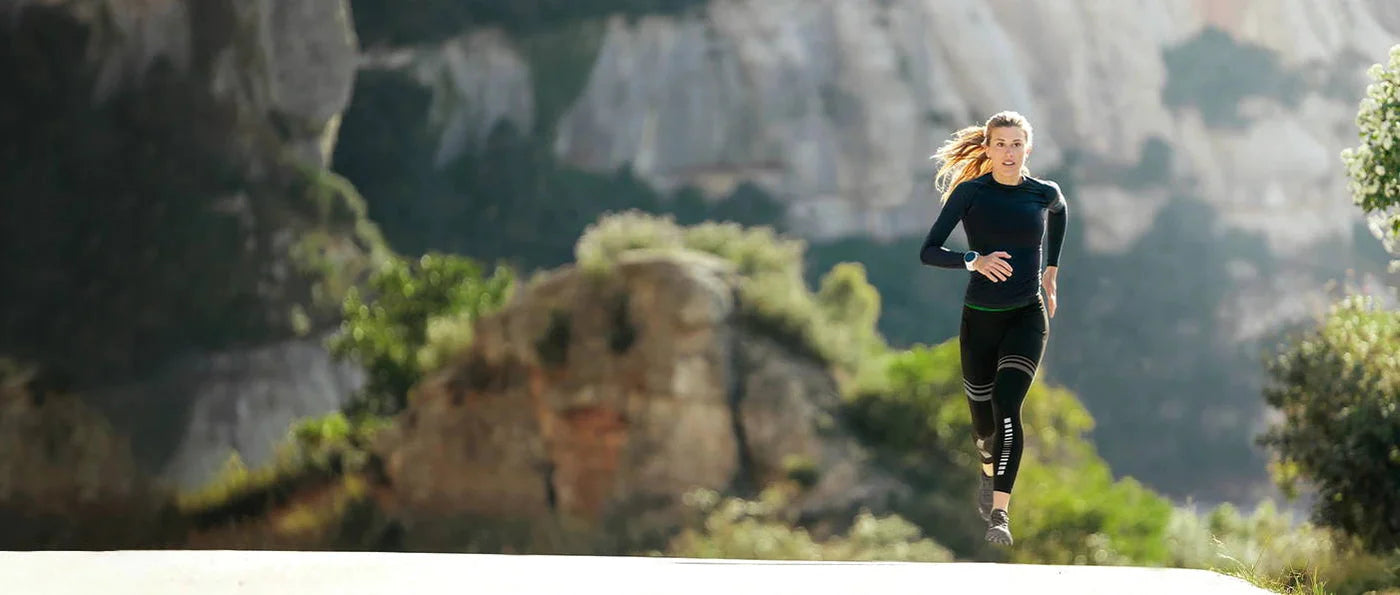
344, 573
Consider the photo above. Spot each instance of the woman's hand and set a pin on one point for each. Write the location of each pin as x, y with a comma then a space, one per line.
993, 266
1047, 280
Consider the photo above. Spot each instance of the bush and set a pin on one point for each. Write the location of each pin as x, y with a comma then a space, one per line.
1079, 515
1338, 389
837, 325
615, 234
1066, 509
763, 530
417, 314
1273, 550
1374, 166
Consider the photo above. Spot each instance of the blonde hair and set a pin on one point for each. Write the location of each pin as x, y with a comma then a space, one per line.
964, 156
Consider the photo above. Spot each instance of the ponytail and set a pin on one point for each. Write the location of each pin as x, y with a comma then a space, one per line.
964, 156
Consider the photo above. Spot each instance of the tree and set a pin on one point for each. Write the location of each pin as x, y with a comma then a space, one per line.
1374, 165
1338, 385
415, 314
1338, 388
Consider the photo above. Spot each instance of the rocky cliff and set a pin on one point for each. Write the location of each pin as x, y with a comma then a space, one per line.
166, 196
1198, 142
835, 106
171, 217
599, 401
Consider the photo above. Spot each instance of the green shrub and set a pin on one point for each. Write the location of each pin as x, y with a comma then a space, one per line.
764, 529
415, 315
1338, 390
1080, 515
912, 401
614, 234
837, 325
1272, 549
335, 441
755, 250
1066, 508
318, 452
1264, 544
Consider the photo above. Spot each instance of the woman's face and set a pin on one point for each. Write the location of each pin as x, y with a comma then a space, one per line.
1007, 148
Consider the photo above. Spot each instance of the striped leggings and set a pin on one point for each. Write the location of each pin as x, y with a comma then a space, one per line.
1000, 353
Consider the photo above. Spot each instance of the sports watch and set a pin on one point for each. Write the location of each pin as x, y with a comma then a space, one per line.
968, 258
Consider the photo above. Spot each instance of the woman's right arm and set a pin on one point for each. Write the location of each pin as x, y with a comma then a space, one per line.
932, 253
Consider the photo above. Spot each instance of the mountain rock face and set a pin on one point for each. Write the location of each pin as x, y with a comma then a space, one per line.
1198, 142
171, 216
836, 106
167, 197
604, 399
202, 409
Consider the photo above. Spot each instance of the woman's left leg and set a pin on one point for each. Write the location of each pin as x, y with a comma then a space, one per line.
1018, 359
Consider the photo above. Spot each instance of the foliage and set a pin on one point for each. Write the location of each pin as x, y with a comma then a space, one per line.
336, 440
332, 450
1272, 549
913, 402
1374, 166
1338, 390
1079, 515
613, 235
836, 324
1069, 509
764, 529
510, 200
411, 316
240, 492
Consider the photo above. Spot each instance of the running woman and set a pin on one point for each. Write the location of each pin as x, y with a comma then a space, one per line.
1005, 214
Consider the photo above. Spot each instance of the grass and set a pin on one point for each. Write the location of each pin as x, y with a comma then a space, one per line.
1299, 584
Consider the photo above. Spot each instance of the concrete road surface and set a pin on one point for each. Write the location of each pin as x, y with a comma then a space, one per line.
345, 573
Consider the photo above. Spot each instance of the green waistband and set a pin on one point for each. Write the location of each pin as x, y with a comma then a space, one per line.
1006, 309
986, 309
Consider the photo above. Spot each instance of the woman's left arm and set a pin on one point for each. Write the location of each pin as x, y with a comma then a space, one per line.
1056, 222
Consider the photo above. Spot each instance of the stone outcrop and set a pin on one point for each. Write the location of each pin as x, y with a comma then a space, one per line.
167, 194
67, 478
204, 408
603, 399
171, 187
836, 111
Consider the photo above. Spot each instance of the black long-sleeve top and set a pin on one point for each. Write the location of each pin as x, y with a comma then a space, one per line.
1001, 217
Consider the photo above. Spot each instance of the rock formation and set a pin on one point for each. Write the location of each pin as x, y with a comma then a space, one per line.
67, 479
602, 400
166, 194
202, 409
1200, 142
837, 111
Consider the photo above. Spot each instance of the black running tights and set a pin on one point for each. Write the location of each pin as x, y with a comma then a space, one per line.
1000, 353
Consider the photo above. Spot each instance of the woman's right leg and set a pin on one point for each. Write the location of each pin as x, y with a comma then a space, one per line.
979, 338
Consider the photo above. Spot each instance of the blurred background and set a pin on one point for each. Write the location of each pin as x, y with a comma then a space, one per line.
641, 276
